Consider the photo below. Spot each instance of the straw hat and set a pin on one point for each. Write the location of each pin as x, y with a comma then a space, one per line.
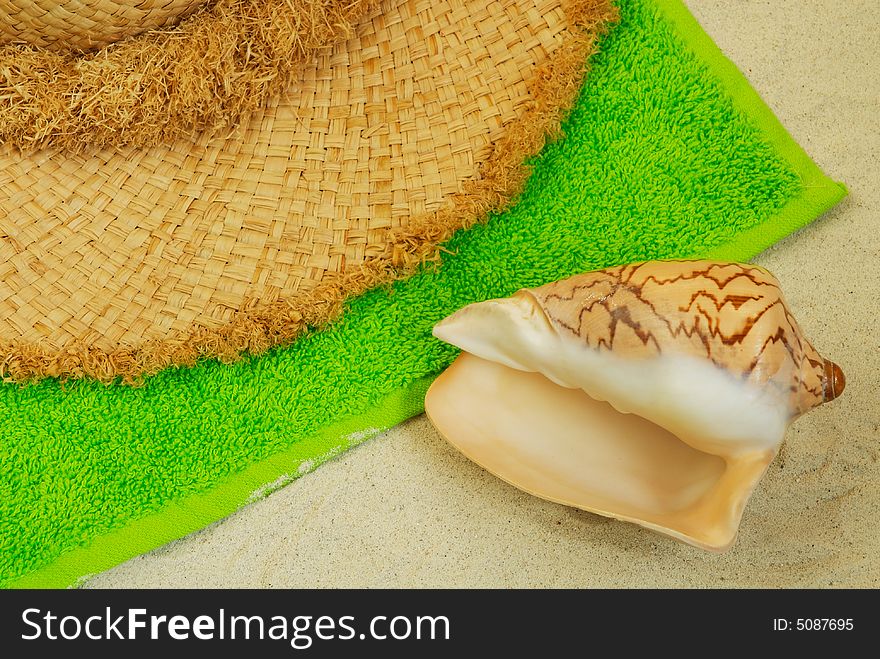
179, 181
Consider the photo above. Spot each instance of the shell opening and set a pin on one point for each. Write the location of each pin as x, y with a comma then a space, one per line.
560, 444
672, 443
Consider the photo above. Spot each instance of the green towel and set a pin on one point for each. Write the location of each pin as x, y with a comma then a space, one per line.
668, 153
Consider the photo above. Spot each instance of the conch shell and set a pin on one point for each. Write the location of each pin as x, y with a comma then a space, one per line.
656, 393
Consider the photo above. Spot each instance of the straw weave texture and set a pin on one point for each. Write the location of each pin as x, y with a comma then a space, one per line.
119, 262
85, 24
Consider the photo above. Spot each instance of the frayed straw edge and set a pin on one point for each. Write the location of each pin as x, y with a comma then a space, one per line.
199, 77
259, 327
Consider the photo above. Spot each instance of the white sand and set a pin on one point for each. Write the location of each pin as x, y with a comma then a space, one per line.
406, 510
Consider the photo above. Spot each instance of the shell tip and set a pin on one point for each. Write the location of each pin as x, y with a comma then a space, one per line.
835, 381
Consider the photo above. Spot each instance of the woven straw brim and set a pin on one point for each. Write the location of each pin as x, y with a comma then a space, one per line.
120, 262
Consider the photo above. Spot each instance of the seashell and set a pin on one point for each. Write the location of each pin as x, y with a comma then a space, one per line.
656, 393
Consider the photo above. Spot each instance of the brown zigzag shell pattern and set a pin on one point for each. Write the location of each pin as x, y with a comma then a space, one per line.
731, 314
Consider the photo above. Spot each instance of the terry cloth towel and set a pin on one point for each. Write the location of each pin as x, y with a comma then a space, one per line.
668, 153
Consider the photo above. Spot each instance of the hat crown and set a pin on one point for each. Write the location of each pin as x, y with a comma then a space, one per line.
85, 24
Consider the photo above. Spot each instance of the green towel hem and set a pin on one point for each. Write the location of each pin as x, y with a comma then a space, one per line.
192, 513
820, 193
257, 481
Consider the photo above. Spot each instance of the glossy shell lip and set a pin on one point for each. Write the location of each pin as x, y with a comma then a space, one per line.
583, 453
